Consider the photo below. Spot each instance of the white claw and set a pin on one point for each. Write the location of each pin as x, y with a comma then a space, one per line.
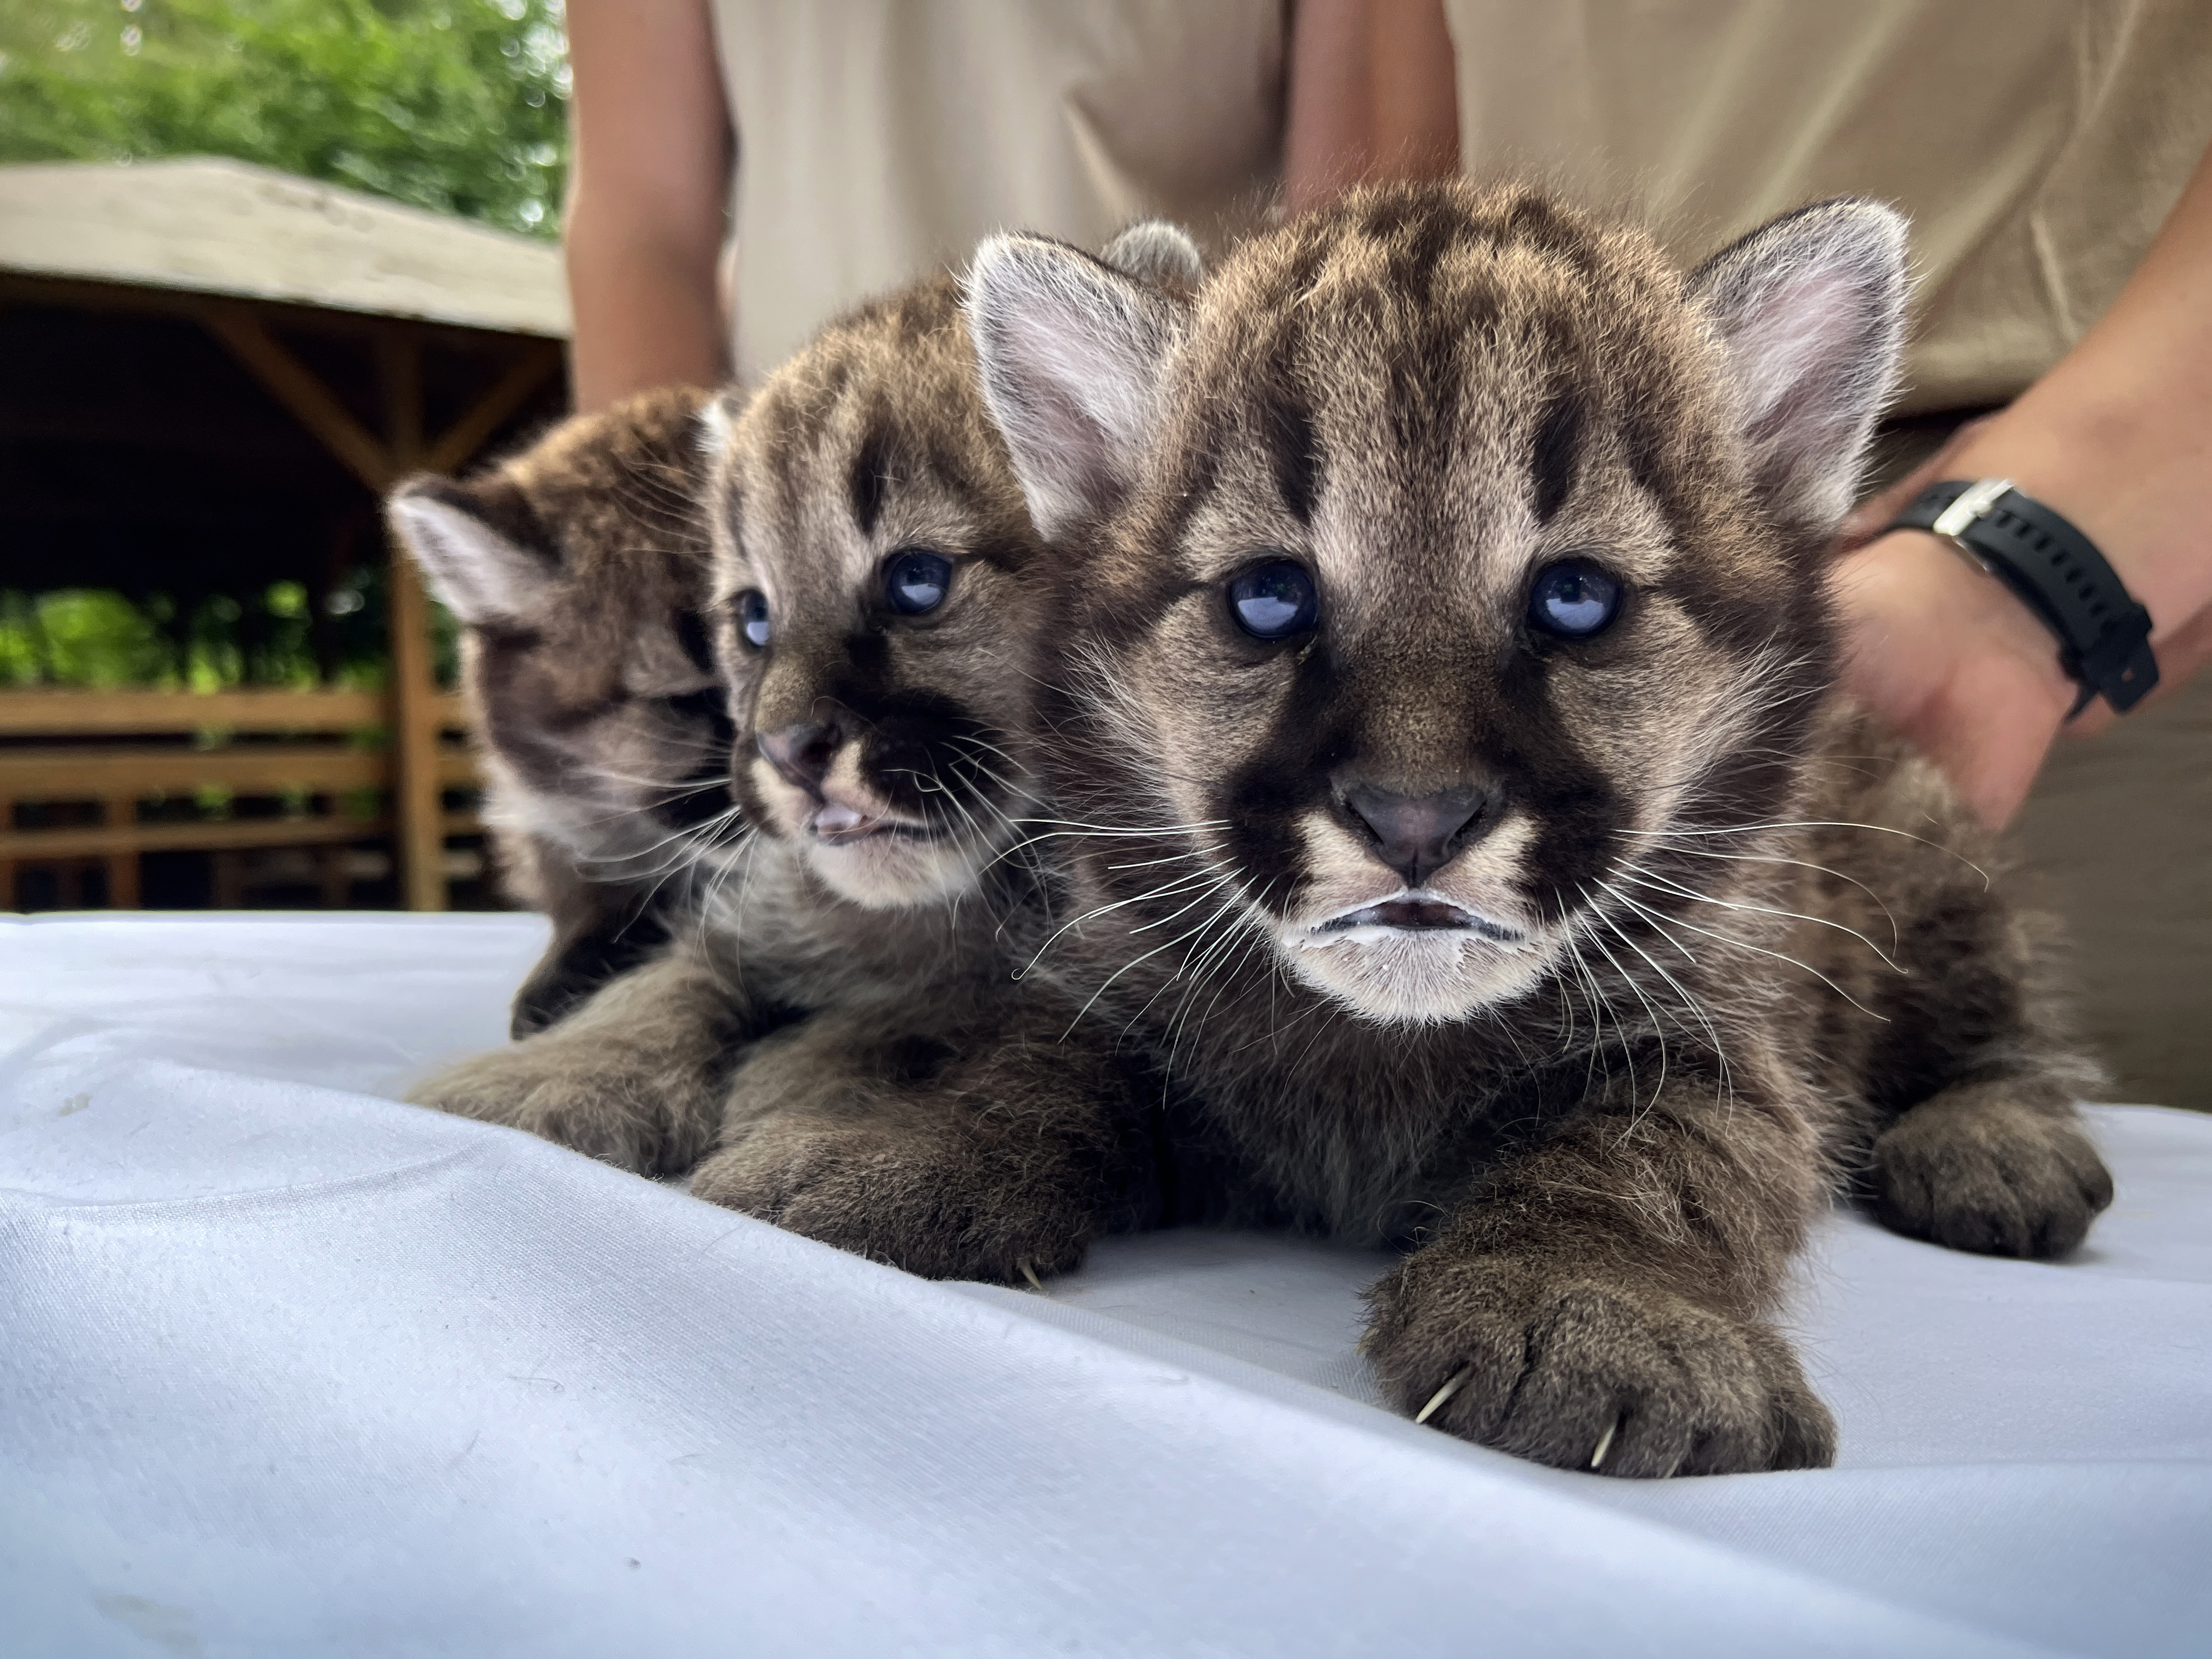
1030, 1273
1452, 1385
1604, 1443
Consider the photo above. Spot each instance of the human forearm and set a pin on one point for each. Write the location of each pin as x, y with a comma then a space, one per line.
2118, 437
1372, 96
648, 203
647, 312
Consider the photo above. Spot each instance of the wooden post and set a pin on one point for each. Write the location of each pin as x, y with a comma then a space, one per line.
420, 840
122, 866
416, 734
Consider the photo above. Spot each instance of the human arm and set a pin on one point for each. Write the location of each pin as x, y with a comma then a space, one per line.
1372, 96
2118, 437
648, 198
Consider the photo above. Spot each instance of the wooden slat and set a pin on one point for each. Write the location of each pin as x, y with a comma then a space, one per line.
96, 841
63, 774
458, 444
295, 386
46, 713
93, 840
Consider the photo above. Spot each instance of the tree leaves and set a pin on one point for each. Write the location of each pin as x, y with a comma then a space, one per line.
457, 106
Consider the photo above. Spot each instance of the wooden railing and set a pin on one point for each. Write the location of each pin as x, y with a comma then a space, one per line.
105, 749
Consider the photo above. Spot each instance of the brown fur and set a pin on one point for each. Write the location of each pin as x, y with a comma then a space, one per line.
1601, 1128
871, 443
578, 570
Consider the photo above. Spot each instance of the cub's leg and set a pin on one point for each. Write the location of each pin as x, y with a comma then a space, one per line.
2002, 1167
979, 1152
1974, 1142
600, 930
634, 1077
1600, 1301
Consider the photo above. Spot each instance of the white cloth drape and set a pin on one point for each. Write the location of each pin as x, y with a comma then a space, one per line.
288, 1369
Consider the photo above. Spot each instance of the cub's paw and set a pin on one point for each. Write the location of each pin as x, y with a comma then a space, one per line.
593, 1096
937, 1203
1587, 1372
1978, 1172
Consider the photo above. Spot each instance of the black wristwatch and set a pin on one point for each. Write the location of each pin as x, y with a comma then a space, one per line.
2104, 635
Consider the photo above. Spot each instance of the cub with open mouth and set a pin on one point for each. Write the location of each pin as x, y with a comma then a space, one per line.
876, 604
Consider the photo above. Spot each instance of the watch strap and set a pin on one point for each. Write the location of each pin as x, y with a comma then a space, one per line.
2104, 634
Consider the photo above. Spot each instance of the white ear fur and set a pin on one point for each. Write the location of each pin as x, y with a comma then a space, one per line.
717, 424
1070, 351
477, 573
1153, 251
1812, 307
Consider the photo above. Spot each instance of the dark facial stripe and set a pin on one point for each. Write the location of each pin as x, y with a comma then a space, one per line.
871, 476
1288, 427
1558, 452
691, 634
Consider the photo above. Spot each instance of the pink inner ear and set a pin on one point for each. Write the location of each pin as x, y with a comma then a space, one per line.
475, 571
1813, 369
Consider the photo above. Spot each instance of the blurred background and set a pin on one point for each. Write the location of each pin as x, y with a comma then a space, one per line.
258, 258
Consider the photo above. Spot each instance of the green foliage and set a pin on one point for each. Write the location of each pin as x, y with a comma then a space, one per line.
91, 638
458, 105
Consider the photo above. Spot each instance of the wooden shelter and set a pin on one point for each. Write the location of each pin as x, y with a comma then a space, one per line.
209, 374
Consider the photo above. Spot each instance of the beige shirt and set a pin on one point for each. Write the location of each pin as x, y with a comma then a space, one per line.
881, 139
2037, 144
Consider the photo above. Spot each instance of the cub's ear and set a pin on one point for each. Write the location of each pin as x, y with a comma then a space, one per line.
1071, 351
717, 424
1153, 251
1812, 307
474, 545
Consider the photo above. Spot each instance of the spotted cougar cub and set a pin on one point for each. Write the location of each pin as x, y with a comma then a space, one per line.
875, 591
1447, 689
578, 572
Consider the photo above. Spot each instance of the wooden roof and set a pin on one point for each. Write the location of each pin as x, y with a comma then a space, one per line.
221, 226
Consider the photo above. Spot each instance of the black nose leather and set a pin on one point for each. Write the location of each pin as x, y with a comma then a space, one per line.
1419, 834
801, 754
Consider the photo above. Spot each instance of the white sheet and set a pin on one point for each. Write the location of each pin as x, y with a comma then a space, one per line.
288, 1369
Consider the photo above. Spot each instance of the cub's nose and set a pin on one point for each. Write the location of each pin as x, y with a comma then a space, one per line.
801, 754
1419, 834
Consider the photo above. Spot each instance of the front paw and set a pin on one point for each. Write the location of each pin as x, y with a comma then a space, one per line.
593, 1096
936, 1204
1582, 1371
1978, 1172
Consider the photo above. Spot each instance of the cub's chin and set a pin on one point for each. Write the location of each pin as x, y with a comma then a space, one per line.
1415, 968
890, 871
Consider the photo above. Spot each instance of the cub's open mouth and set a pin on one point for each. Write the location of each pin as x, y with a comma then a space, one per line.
837, 824
1415, 914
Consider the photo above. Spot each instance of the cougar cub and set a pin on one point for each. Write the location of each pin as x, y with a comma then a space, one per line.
874, 596
1458, 810
578, 571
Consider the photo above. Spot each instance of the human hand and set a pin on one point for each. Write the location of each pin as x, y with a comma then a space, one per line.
1946, 655
1878, 511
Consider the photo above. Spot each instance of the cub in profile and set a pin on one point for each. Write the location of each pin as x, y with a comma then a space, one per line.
578, 572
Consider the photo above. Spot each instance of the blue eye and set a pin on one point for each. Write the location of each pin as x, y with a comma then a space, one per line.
915, 581
1573, 599
1275, 601
752, 617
